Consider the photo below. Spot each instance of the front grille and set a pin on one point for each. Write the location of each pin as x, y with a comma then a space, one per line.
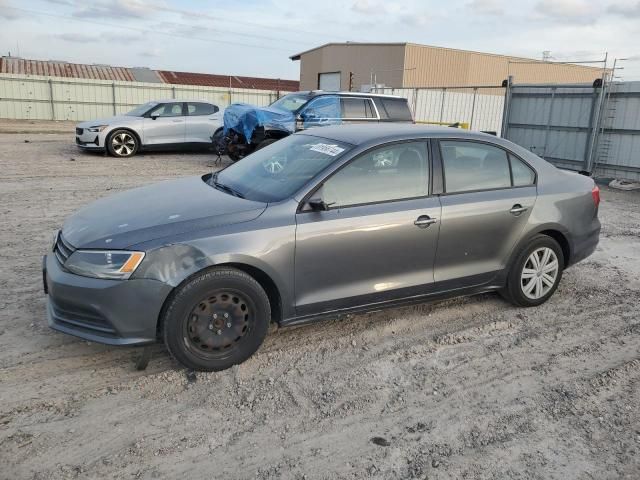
79, 131
62, 249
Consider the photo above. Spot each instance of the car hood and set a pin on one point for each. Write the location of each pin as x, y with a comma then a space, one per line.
156, 211
118, 119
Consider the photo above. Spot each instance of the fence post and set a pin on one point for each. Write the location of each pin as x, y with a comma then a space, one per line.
53, 108
506, 111
113, 96
549, 118
444, 91
593, 139
473, 108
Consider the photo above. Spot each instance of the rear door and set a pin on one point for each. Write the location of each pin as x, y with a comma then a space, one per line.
488, 196
165, 124
203, 119
377, 241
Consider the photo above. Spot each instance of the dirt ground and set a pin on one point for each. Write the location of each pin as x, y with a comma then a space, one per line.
471, 388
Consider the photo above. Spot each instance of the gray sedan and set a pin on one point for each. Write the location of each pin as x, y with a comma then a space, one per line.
154, 125
324, 222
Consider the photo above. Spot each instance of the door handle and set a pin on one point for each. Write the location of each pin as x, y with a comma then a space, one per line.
517, 209
423, 221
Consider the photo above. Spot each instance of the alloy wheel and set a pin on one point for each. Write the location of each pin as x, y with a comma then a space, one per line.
123, 144
539, 273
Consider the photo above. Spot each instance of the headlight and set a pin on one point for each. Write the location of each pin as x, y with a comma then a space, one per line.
55, 239
115, 264
97, 128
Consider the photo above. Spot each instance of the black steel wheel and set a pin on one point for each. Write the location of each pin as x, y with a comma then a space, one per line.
216, 320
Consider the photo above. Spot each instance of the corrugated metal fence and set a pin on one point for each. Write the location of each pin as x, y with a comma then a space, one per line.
54, 98
579, 127
479, 107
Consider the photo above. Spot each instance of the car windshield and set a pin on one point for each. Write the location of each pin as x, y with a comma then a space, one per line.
279, 170
140, 110
291, 102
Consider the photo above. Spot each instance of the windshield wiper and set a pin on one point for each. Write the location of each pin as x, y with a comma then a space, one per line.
225, 188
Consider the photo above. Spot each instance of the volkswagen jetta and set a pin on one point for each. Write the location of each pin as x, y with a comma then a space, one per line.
324, 222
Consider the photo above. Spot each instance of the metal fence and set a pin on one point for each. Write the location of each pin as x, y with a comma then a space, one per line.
579, 127
479, 108
54, 98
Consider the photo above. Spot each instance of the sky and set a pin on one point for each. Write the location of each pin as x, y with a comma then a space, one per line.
256, 38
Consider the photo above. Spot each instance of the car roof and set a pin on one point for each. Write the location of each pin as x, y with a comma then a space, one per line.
315, 93
357, 134
173, 100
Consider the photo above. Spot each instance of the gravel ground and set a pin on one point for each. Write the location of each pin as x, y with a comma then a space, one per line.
471, 388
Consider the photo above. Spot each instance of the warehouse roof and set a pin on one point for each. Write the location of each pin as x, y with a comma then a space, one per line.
53, 68
230, 81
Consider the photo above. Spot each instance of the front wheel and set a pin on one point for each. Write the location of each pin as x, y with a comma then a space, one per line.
216, 320
536, 273
122, 143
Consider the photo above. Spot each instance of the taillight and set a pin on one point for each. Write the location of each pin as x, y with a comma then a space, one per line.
595, 193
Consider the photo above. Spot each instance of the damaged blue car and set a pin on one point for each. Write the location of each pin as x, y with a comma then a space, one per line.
248, 127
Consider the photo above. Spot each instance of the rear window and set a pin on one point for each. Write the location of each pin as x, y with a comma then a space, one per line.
396, 109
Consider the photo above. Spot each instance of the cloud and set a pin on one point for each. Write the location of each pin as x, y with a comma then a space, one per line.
76, 37
7, 13
486, 7
415, 20
120, 9
108, 37
153, 53
625, 9
367, 7
574, 11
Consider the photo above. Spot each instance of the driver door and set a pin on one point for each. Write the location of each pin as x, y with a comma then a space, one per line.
165, 124
377, 240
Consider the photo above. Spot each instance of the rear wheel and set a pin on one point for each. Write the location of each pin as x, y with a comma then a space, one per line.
216, 320
122, 143
536, 273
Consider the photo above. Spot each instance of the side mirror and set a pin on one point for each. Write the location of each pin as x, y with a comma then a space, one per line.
317, 205
155, 115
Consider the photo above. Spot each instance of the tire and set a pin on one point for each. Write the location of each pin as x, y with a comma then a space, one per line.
266, 143
537, 284
234, 156
122, 143
216, 320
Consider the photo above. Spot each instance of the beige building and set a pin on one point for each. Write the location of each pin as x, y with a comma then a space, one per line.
330, 66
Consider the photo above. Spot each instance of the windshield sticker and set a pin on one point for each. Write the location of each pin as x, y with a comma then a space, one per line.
327, 149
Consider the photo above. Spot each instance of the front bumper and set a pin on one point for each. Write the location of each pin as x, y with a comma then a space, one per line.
114, 312
88, 140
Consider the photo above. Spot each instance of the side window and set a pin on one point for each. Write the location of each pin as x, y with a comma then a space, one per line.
326, 107
200, 108
474, 166
393, 172
168, 110
356, 108
521, 172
